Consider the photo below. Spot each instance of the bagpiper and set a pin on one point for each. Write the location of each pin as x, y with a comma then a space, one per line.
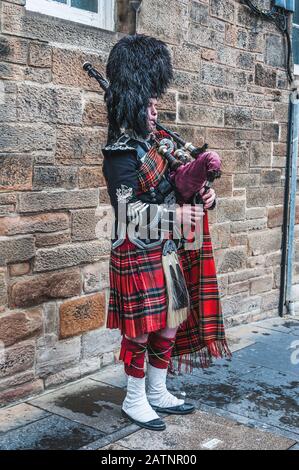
163, 298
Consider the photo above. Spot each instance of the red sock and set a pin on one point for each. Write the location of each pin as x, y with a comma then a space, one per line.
159, 350
133, 355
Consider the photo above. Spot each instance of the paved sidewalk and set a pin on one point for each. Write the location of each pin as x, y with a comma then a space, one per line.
250, 402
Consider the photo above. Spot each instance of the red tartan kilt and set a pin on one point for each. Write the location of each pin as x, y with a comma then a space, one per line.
138, 298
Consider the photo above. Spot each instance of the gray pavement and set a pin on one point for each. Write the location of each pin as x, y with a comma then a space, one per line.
250, 402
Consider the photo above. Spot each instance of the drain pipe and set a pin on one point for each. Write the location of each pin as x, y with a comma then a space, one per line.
289, 210
135, 6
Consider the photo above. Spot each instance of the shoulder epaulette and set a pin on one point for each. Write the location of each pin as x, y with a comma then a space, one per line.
121, 144
118, 146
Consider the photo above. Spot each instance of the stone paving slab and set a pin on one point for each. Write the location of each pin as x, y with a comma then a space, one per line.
112, 375
226, 370
255, 391
114, 447
87, 402
203, 431
19, 415
51, 433
264, 394
274, 355
282, 325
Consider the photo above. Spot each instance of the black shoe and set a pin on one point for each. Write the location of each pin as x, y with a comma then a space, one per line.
183, 409
153, 425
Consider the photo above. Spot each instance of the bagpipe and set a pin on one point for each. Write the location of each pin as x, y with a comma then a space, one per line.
191, 168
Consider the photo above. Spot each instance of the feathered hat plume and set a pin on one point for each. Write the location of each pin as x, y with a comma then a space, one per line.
139, 68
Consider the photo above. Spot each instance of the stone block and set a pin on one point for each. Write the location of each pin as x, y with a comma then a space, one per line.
238, 117
18, 326
201, 115
19, 269
275, 215
80, 145
17, 358
94, 111
91, 177
274, 51
14, 49
40, 54
83, 224
264, 196
220, 234
261, 284
265, 76
223, 186
16, 172
26, 137
48, 201
82, 314
49, 104
96, 276
34, 387
59, 356
230, 259
230, 209
260, 154
152, 15
51, 239
235, 161
67, 68
55, 177
99, 342
16, 249
223, 9
33, 223
221, 138
265, 241
248, 225
271, 177
3, 289
48, 259
270, 131
41, 288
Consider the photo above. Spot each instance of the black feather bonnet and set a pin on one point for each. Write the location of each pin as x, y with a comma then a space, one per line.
139, 68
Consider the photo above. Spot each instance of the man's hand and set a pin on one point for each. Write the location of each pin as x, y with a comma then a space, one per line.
189, 214
208, 198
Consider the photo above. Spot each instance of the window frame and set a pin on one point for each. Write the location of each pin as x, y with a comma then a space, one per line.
104, 19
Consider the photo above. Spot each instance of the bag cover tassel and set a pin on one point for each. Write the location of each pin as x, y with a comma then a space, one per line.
178, 295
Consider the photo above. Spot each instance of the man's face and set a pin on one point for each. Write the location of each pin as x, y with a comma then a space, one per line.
152, 114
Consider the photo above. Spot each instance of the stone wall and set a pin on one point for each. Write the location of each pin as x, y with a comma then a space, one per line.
230, 86
53, 268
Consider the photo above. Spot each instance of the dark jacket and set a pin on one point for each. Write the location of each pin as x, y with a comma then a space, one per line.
120, 168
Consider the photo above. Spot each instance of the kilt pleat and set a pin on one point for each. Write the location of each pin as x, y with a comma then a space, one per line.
138, 300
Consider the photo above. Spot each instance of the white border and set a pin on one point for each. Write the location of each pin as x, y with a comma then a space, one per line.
103, 19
